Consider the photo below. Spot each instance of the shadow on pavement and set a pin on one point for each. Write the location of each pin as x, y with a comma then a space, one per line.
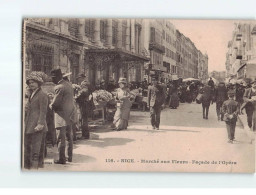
78, 158
162, 130
106, 142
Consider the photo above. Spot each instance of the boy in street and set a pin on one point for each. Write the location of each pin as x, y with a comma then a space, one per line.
230, 110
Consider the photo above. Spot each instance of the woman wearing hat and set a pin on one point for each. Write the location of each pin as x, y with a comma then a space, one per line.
35, 122
124, 104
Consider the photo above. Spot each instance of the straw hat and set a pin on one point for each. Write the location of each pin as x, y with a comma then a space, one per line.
36, 76
122, 80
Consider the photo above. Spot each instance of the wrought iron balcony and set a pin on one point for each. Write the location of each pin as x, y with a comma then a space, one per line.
156, 46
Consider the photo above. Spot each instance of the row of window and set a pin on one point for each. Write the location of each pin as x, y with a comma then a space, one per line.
174, 69
157, 58
155, 36
168, 39
169, 53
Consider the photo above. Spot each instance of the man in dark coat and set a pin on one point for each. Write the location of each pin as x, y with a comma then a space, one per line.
221, 96
63, 106
82, 100
206, 99
248, 102
211, 82
156, 98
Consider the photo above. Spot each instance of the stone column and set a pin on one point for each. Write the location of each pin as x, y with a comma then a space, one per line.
128, 36
81, 29
64, 27
109, 33
96, 36
119, 34
133, 35
56, 25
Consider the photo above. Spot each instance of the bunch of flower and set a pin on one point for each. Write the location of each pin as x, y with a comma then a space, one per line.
102, 96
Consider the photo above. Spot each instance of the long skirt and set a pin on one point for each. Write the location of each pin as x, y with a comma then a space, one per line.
121, 118
174, 100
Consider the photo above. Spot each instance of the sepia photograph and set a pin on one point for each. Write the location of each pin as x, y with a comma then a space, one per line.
138, 95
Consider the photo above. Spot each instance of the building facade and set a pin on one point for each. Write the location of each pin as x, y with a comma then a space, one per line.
105, 49
202, 66
241, 49
100, 48
190, 61
169, 58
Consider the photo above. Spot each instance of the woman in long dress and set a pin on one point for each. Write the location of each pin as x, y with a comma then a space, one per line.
124, 104
174, 98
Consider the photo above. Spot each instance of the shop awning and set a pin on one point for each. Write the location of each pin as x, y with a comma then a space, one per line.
124, 55
250, 62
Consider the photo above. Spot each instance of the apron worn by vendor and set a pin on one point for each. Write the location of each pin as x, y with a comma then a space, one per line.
123, 109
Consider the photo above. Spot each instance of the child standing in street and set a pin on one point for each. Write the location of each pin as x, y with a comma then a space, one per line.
230, 109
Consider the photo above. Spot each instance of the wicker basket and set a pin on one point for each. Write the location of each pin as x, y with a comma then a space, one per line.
101, 104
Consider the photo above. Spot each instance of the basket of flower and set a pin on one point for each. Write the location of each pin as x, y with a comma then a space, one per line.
101, 98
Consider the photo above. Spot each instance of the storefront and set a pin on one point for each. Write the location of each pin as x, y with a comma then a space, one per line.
106, 64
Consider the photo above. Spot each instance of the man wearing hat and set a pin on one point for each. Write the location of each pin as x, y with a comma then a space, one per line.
111, 85
249, 103
220, 96
63, 106
82, 100
156, 98
230, 109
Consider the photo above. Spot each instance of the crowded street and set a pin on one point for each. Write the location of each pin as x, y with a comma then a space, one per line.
142, 97
183, 136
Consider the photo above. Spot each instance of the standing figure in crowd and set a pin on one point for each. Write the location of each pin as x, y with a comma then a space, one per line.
82, 99
35, 123
230, 109
124, 103
221, 95
250, 105
188, 93
239, 94
211, 82
156, 98
74, 125
63, 106
111, 85
174, 98
206, 99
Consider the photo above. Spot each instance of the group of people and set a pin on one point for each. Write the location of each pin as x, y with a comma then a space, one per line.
65, 102
231, 100
62, 104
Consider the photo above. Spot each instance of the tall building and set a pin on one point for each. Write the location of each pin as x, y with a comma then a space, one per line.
153, 46
110, 48
202, 66
169, 58
100, 48
190, 61
241, 49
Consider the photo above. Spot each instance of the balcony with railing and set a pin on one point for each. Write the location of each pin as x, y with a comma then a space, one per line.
156, 46
238, 37
239, 54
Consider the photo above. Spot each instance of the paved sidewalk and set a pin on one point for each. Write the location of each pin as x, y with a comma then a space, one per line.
248, 131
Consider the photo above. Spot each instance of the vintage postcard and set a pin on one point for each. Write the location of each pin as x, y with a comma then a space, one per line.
148, 95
